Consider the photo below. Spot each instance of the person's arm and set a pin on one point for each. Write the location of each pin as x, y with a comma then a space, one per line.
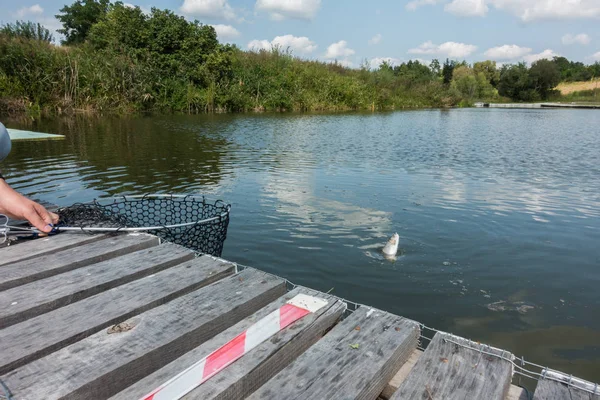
17, 206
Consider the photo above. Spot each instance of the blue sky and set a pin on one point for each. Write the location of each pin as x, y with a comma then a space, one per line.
352, 31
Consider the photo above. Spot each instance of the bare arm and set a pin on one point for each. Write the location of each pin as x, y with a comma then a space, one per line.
17, 206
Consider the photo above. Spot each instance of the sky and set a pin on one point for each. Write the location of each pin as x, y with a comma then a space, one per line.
353, 32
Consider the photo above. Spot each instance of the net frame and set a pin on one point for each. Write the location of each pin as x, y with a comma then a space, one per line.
187, 220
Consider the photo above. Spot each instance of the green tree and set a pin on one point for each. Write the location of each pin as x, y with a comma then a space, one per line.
488, 68
485, 88
572, 71
448, 70
563, 66
435, 67
386, 66
579, 72
594, 70
27, 30
121, 28
464, 80
544, 76
179, 47
413, 73
78, 18
515, 83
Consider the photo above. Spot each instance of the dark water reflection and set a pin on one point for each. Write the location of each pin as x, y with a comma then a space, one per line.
498, 210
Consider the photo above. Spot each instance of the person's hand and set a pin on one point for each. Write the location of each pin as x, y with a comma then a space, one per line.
17, 206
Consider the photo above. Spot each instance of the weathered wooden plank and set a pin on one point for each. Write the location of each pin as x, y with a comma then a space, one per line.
27, 301
47, 245
517, 393
103, 364
46, 333
44, 266
450, 371
353, 361
514, 393
556, 387
252, 370
401, 375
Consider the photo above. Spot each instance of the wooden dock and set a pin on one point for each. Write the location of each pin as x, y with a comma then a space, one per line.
114, 317
582, 106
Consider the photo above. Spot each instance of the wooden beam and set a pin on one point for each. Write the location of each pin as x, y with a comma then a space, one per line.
27, 301
251, 371
354, 360
514, 393
517, 393
452, 371
397, 380
111, 360
47, 333
63, 260
558, 386
47, 245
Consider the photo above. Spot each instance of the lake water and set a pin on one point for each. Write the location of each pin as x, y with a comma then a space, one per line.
498, 211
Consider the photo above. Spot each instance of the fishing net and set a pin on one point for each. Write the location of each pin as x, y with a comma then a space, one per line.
189, 221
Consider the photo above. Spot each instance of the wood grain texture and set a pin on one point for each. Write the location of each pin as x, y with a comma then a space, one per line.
548, 389
103, 364
449, 371
49, 264
46, 333
516, 393
401, 375
252, 370
354, 360
35, 298
41, 246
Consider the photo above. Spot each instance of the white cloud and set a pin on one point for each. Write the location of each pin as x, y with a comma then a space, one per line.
377, 61
513, 52
467, 8
302, 45
448, 49
35, 9
581, 38
226, 32
257, 45
595, 56
526, 10
546, 54
282, 9
413, 5
208, 9
530, 10
507, 52
35, 13
145, 10
339, 50
422, 61
345, 63
375, 39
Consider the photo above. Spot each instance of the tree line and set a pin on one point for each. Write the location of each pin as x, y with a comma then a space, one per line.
116, 58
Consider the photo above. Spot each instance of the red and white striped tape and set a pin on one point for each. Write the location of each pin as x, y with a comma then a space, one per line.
186, 381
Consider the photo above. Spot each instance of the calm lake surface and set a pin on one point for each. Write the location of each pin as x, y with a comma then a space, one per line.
498, 211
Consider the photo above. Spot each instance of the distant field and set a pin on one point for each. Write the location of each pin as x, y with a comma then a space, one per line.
570, 87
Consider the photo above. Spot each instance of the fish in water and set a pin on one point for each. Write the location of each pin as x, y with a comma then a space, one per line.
391, 247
